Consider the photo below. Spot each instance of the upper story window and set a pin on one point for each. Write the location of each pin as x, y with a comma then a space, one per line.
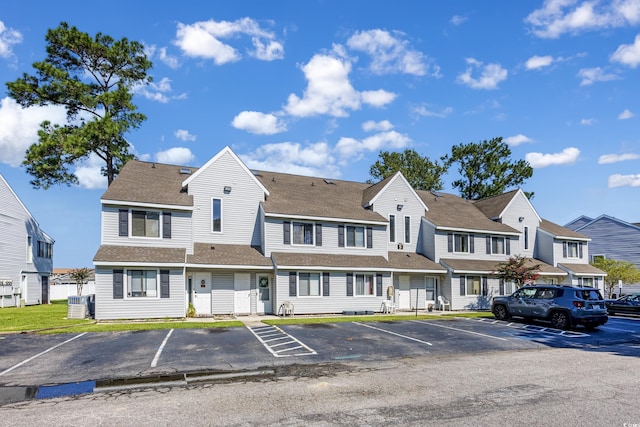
355, 236
461, 243
216, 215
392, 228
572, 250
303, 233
145, 223
29, 249
309, 284
407, 229
45, 249
497, 245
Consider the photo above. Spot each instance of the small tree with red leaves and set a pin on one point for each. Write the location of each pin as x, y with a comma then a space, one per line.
515, 270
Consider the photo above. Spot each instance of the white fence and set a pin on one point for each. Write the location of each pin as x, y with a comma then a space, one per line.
63, 291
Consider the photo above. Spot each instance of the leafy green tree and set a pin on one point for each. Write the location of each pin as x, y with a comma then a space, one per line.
486, 169
617, 271
420, 172
516, 270
92, 78
80, 276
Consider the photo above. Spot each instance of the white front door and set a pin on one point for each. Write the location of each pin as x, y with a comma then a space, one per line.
404, 292
264, 295
202, 293
242, 294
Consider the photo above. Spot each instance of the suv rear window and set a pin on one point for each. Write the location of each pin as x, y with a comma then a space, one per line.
589, 294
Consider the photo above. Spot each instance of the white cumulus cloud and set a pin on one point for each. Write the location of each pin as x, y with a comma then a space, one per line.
329, 90
592, 75
19, 128
391, 54
628, 54
567, 156
370, 126
8, 38
89, 173
490, 75
175, 156
537, 62
517, 140
615, 158
184, 135
558, 17
204, 39
291, 157
618, 180
626, 114
258, 123
353, 149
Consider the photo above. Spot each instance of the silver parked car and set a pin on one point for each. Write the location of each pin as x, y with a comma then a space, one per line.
563, 306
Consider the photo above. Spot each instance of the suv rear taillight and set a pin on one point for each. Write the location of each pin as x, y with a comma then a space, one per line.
578, 304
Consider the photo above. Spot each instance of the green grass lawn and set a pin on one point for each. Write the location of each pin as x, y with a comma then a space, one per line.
52, 319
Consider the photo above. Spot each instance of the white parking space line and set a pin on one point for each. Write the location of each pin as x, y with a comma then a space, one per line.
40, 354
154, 362
273, 338
460, 330
534, 328
392, 333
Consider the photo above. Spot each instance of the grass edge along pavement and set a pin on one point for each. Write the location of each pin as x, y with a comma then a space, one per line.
52, 319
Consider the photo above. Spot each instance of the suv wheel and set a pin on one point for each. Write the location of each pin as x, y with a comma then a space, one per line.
500, 311
560, 320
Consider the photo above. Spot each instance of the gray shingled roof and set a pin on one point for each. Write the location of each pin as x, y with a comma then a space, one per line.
448, 210
145, 182
492, 207
560, 231
219, 254
489, 267
582, 269
112, 253
414, 261
309, 196
286, 259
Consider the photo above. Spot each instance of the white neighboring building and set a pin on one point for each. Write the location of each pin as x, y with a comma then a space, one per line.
26, 253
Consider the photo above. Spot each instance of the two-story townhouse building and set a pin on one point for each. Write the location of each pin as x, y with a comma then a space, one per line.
26, 253
230, 240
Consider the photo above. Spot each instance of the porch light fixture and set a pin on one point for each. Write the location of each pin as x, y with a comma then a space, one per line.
227, 189
521, 219
399, 207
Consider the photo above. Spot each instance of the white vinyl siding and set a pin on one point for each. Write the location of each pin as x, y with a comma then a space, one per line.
138, 308
240, 203
180, 231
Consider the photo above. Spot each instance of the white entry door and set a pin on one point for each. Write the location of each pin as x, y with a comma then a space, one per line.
242, 294
264, 295
202, 293
404, 293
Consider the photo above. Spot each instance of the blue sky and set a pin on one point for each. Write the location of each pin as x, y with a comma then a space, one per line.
320, 87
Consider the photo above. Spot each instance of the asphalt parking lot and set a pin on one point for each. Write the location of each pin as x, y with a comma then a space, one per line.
37, 360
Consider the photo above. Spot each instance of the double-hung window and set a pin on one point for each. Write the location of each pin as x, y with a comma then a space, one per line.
309, 284
355, 236
142, 283
572, 250
44, 249
216, 215
145, 223
497, 245
365, 285
461, 243
303, 233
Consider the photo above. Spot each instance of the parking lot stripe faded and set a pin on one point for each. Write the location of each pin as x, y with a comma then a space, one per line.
40, 354
458, 329
154, 362
392, 333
